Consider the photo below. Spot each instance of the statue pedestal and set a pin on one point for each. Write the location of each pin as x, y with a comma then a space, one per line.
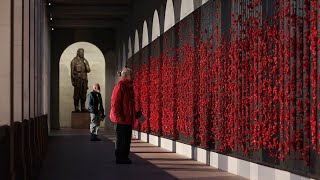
80, 120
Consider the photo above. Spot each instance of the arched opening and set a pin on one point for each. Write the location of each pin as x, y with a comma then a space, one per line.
204, 1
187, 7
96, 62
136, 42
129, 48
169, 16
155, 26
145, 36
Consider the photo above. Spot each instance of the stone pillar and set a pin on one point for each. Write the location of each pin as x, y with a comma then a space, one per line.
26, 62
124, 56
32, 59
119, 60
5, 91
17, 47
45, 57
110, 81
40, 57
46, 66
36, 58
119, 65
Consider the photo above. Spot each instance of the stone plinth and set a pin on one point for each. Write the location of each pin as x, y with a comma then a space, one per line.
80, 120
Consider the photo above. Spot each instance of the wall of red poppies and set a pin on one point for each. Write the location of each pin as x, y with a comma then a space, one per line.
249, 91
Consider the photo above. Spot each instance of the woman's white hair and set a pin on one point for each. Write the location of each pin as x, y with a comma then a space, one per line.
125, 72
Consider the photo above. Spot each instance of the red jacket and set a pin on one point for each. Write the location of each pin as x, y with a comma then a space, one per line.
122, 103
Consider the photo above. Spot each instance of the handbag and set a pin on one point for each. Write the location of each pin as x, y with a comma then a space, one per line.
139, 114
140, 117
102, 116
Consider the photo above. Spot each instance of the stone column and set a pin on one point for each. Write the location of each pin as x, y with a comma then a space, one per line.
46, 66
26, 62
110, 64
124, 56
40, 57
45, 57
119, 60
36, 58
17, 47
5, 91
32, 59
6, 69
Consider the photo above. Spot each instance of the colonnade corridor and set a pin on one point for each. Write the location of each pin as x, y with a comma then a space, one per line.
229, 89
71, 156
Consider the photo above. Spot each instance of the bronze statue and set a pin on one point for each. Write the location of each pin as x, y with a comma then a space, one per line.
79, 69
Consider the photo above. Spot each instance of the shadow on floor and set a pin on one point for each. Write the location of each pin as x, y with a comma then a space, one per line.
74, 157
71, 156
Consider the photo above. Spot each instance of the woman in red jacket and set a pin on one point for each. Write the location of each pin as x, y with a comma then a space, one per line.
123, 113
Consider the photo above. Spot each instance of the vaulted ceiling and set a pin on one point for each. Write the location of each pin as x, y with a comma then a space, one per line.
88, 13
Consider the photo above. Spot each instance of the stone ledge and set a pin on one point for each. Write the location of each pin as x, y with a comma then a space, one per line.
230, 164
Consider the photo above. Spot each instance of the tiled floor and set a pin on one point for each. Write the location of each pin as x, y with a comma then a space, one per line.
71, 156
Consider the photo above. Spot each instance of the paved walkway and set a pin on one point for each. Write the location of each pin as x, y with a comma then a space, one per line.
71, 156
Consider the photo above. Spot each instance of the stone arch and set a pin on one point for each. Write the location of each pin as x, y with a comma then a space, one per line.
96, 62
204, 1
155, 26
129, 48
187, 7
169, 15
136, 42
145, 35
